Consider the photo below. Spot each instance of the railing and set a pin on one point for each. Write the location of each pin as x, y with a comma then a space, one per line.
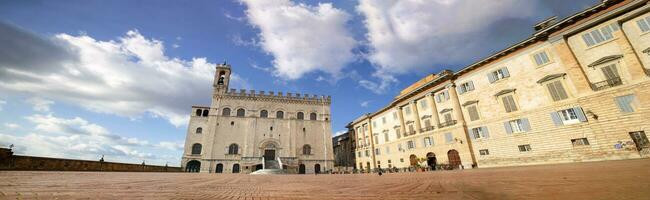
613, 82
447, 123
426, 129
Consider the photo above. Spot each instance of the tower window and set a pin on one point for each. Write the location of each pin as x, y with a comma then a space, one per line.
279, 115
222, 76
241, 112
225, 112
264, 114
300, 116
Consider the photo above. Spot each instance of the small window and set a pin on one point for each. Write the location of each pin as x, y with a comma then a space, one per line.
407, 110
484, 152
397, 133
644, 24
374, 123
386, 138
233, 149
306, 150
196, 149
264, 114
360, 155
401, 160
428, 142
569, 116
199, 130
367, 153
410, 144
473, 113
580, 142
300, 116
411, 129
199, 112
509, 103
383, 120
423, 104
241, 112
377, 151
225, 112
556, 90
610, 73
312, 116
626, 103
376, 138
541, 58
442, 96
598, 36
498, 74
427, 124
448, 117
394, 115
525, 148
449, 138
465, 87
279, 115
205, 113
479, 132
517, 126
388, 152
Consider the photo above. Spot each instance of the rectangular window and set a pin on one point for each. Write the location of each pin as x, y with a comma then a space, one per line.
399, 147
427, 123
610, 72
598, 36
498, 75
568, 116
359, 154
376, 138
448, 117
517, 126
625, 103
644, 24
407, 110
423, 104
449, 138
367, 153
580, 142
525, 148
410, 144
484, 152
465, 87
383, 120
479, 132
411, 129
366, 140
377, 151
541, 58
509, 103
374, 124
557, 91
397, 133
428, 142
476, 133
394, 115
473, 113
388, 152
389, 162
386, 139
442, 96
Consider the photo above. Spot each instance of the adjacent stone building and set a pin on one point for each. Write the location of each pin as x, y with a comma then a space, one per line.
243, 131
577, 90
344, 146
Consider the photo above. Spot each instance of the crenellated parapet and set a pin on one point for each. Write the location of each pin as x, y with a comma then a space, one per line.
279, 96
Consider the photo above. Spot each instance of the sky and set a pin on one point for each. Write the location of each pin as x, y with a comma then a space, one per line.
85, 78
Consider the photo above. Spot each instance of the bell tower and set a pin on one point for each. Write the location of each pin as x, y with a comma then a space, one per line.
221, 78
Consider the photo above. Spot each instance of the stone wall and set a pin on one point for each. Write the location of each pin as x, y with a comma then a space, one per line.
8, 161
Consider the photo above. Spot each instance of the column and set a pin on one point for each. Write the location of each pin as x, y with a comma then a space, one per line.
434, 110
573, 69
458, 113
414, 105
634, 65
372, 144
402, 128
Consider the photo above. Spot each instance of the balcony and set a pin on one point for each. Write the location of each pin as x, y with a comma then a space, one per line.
425, 129
447, 123
606, 84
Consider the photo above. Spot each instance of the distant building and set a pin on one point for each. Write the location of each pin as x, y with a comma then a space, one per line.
577, 90
243, 131
344, 151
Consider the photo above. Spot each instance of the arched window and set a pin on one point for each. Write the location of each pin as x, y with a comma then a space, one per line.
300, 115
198, 112
199, 130
264, 114
235, 168
222, 75
312, 116
225, 112
233, 149
279, 115
241, 112
196, 148
306, 150
205, 113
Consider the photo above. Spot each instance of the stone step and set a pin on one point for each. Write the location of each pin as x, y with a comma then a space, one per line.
268, 171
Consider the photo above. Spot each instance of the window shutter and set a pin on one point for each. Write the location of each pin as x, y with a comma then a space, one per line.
556, 119
437, 98
446, 95
560, 90
491, 77
525, 124
460, 89
505, 72
485, 132
625, 103
471, 134
508, 128
588, 40
581, 115
470, 86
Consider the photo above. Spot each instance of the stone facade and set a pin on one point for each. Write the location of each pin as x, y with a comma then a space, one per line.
577, 90
344, 158
243, 131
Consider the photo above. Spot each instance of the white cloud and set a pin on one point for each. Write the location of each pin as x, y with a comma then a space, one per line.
410, 36
364, 103
77, 138
302, 38
39, 104
129, 77
341, 132
176, 146
12, 125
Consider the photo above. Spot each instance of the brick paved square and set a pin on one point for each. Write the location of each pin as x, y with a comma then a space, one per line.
597, 180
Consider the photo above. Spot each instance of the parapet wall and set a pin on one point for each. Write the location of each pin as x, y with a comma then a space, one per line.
280, 96
8, 161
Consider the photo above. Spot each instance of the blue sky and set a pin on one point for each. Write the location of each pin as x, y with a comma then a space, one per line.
81, 79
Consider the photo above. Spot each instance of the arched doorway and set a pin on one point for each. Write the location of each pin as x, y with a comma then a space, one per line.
413, 160
301, 169
431, 160
454, 158
219, 168
193, 166
317, 168
235, 168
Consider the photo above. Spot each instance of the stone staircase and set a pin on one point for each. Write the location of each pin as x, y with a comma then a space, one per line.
271, 167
